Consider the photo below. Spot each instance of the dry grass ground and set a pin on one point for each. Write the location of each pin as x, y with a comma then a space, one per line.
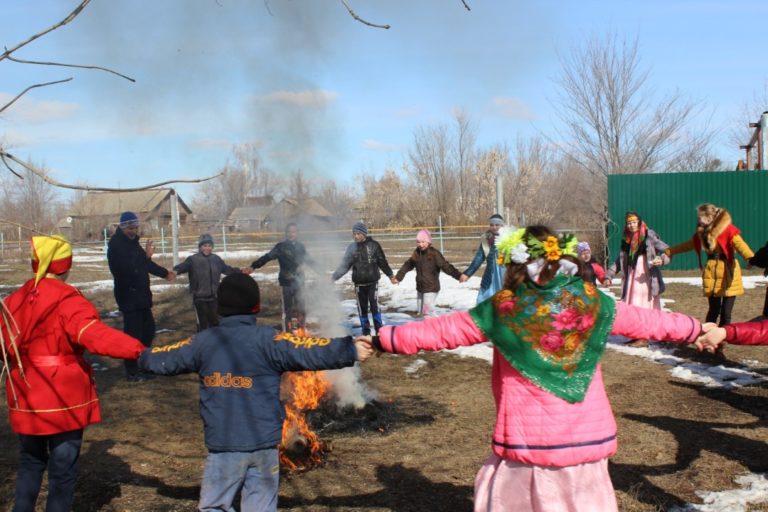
419, 446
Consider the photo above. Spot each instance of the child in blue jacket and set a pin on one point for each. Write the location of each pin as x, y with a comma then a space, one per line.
240, 364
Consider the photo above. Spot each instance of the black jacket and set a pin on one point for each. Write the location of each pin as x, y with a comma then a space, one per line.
131, 268
291, 255
204, 274
365, 258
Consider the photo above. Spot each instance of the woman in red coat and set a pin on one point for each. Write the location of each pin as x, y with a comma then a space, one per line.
47, 325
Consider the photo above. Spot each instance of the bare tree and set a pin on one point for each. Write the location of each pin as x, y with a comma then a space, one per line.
299, 186
610, 121
339, 201
466, 160
749, 112
433, 168
31, 201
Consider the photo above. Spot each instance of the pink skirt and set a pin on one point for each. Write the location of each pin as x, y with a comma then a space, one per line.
506, 485
639, 287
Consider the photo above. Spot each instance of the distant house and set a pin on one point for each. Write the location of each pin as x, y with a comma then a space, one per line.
97, 211
308, 213
252, 215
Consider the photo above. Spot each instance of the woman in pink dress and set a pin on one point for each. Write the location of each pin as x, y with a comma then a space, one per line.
554, 426
641, 255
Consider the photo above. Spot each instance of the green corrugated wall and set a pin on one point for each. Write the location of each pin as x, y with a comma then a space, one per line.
667, 203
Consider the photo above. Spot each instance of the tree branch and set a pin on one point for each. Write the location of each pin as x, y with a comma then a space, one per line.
80, 66
465, 5
22, 93
361, 20
63, 22
47, 179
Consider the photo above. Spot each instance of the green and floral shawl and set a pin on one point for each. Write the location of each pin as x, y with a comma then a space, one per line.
553, 334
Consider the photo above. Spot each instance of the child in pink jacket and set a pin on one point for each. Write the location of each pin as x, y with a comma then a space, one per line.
554, 426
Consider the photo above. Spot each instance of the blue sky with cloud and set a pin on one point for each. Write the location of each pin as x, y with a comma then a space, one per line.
316, 90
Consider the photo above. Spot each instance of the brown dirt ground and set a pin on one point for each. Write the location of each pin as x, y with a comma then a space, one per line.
419, 446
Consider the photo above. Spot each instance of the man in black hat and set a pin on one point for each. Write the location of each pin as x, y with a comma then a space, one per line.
131, 264
240, 365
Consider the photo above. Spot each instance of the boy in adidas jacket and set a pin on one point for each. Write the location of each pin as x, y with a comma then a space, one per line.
240, 364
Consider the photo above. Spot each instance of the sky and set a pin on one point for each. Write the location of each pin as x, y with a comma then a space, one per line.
314, 90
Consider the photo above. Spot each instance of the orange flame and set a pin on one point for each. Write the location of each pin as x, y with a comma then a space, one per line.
304, 390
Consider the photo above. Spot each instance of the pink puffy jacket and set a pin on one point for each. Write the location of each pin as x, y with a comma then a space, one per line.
532, 425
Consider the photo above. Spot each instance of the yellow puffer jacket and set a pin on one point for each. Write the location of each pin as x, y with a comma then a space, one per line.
719, 279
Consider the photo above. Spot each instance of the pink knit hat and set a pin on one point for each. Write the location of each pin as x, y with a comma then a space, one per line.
424, 235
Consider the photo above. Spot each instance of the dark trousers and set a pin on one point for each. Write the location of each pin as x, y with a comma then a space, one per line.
139, 324
293, 306
368, 295
58, 453
207, 314
720, 307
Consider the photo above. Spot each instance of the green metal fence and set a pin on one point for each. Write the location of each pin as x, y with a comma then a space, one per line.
667, 203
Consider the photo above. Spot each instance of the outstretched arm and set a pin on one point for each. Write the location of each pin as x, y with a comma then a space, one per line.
635, 322
444, 332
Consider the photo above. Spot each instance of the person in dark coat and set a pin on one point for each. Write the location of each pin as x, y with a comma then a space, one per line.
205, 269
131, 266
291, 255
239, 364
428, 263
365, 257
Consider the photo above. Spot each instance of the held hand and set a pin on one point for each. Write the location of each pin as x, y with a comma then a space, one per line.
394, 280
171, 277
364, 346
246, 270
711, 339
150, 248
463, 278
607, 282
657, 261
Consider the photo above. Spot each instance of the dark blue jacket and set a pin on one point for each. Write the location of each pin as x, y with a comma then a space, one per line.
365, 258
131, 268
240, 364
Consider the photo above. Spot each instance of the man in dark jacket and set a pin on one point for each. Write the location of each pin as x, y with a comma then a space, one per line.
291, 255
131, 265
240, 364
365, 257
205, 270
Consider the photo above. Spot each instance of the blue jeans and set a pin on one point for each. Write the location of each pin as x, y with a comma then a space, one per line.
256, 474
58, 453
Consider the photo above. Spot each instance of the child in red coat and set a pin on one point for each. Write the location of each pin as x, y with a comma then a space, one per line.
46, 327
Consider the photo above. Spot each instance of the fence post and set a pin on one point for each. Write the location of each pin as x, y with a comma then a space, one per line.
224, 239
440, 230
763, 142
106, 243
162, 240
2, 244
19, 238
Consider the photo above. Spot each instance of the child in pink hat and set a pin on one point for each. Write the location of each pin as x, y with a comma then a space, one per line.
428, 263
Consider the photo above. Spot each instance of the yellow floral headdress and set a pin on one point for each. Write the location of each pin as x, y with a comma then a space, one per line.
518, 246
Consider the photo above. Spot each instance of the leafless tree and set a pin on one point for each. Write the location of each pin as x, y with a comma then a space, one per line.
299, 186
31, 202
466, 160
749, 112
432, 167
610, 121
339, 201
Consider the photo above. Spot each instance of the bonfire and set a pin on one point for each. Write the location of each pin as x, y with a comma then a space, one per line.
300, 447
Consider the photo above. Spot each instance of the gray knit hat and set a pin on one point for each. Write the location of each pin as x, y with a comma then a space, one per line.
205, 238
359, 227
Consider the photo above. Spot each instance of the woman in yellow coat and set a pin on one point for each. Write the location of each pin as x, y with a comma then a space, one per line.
719, 240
